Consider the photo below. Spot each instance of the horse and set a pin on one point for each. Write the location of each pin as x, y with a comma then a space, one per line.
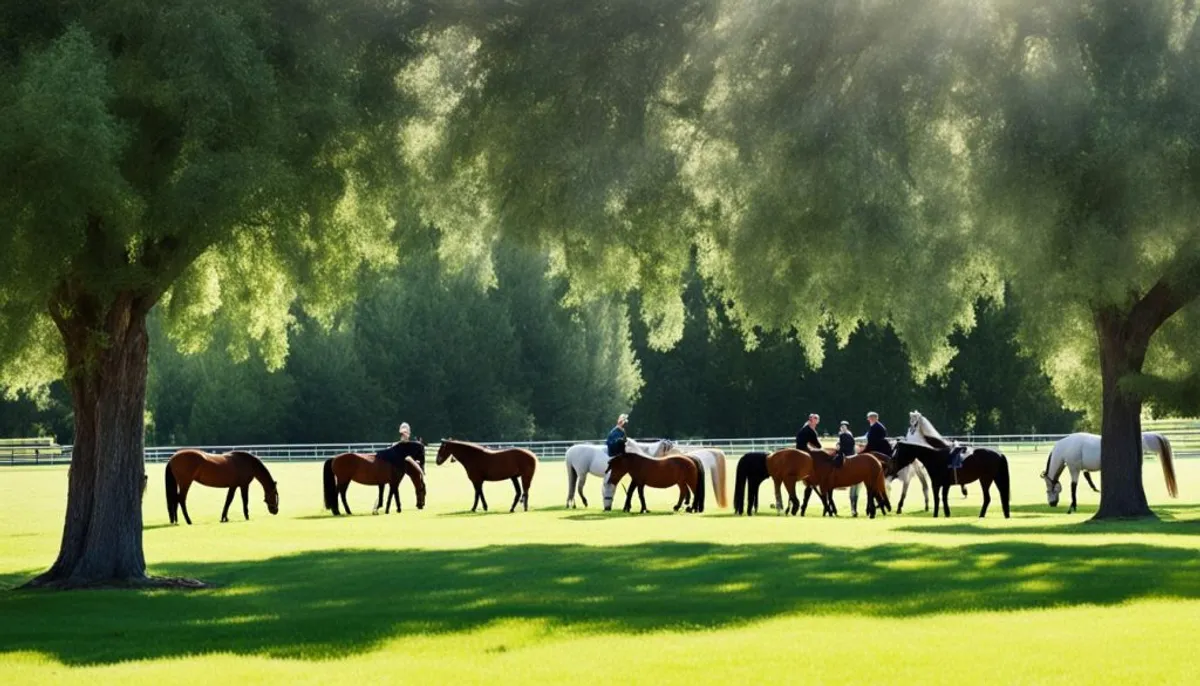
864, 468
921, 431
983, 464
751, 472
586, 458
1081, 452
660, 472
786, 467
714, 461
483, 465
341, 470
233, 470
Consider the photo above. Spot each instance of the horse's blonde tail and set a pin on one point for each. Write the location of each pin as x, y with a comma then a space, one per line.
720, 488
1168, 465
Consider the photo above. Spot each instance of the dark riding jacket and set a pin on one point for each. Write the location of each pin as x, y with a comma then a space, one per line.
807, 437
846, 444
877, 439
615, 441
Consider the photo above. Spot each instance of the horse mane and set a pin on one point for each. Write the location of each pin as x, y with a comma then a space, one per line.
260, 469
926, 431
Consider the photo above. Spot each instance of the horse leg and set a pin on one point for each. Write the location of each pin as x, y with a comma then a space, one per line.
937, 494
642, 498
854, 500
807, 494
228, 502
1088, 476
987, 496
342, 492
904, 491
582, 478
517, 485
184, 486
475, 503
1074, 504
683, 493
946, 500
395, 493
629, 495
379, 502
246, 501
778, 497
526, 482
793, 501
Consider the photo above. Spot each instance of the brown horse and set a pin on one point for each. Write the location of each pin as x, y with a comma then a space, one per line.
232, 470
786, 467
342, 469
863, 468
683, 471
483, 465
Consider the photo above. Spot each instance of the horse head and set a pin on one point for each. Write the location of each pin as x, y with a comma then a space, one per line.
444, 451
271, 498
1053, 487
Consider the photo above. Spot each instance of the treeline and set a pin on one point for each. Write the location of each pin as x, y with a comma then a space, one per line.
433, 348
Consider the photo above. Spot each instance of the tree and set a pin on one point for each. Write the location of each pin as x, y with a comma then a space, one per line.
1081, 125
222, 158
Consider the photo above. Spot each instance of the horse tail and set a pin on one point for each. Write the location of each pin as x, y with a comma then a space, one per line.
720, 487
881, 487
1002, 482
571, 476
172, 493
1168, 465
739, 488
330, 487
698, 505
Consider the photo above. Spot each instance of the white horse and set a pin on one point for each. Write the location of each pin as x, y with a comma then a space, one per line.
589, 458
1080, 452
714, 463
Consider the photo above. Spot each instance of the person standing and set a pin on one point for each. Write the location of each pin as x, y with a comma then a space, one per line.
807, 439
616, 438
846, 447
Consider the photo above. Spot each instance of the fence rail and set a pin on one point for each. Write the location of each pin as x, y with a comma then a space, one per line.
1186, 442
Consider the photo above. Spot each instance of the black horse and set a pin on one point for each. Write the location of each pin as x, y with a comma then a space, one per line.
395, 454
751, 472
983, 465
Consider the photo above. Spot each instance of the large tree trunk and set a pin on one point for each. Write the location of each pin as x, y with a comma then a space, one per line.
106, 349
1122, 352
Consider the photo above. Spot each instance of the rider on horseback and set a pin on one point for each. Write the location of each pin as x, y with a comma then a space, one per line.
846, 446
616, 438
877, 436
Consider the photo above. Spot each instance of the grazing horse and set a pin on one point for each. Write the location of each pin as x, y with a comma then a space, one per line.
983, 464
660, 472
341, 470
483, 465
751, 472
786, 467
1081, 452
586, 458
864, 468
232, 470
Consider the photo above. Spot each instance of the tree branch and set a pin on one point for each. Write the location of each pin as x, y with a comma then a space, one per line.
1179, 286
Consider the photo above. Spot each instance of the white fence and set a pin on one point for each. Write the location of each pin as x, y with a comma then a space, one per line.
1187, 441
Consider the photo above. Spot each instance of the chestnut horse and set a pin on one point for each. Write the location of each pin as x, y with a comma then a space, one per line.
371, 470
660, 472
232, 470
483, 465
862, 468
786, 467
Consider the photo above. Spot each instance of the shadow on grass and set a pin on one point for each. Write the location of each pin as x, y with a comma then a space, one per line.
325, 604
1174, 520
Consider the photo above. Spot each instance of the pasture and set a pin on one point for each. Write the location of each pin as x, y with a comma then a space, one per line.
444, 596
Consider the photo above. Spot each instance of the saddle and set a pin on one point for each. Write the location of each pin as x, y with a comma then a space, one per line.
957, 456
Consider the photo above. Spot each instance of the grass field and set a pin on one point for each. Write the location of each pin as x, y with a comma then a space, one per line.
444, 596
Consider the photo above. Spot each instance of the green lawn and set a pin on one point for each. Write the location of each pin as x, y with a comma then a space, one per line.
443, 596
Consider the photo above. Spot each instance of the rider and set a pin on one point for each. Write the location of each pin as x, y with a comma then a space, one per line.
877, 436
846, 447
390, 453
616, 438
807, 439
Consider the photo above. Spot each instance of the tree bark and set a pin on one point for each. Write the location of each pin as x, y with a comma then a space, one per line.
107, 358
1123, 344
